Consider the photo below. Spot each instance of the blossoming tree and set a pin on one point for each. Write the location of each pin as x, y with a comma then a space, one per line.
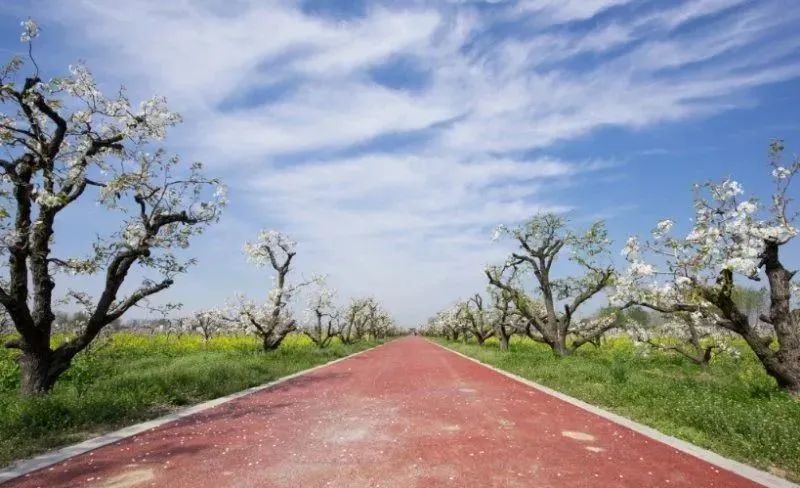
476, 318
685, 333
354, 316
540, 241
272, 320
322, 318
447, 323
377, 322
363, 317
207, 323
505, 317
731, 237
63, 141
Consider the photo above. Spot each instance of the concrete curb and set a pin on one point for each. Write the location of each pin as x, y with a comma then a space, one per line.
26, 466
743, 470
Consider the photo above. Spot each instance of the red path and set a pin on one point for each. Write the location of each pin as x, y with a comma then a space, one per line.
407, 414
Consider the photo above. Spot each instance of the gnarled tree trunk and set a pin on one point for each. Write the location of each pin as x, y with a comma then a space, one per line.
35, 373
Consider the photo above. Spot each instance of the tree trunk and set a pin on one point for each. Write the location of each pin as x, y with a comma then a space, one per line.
38, 372
269, 344
784, 366
503, 342
707, 354
560, 348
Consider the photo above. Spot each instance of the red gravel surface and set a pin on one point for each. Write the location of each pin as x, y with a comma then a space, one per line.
406, 414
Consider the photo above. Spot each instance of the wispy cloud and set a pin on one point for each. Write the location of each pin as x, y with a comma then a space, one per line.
305, 138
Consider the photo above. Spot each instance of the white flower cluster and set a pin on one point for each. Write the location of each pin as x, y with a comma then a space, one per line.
269, 242
30, 30
641, 269
156, 118
6, 134
728, 234
321, 300
632, 248
134, 233
662, 228
76, 267
689, 334
498, 232
781, 173
118, 117
726, 191
47, 199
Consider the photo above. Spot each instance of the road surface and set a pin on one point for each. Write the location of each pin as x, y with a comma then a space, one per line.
406, 414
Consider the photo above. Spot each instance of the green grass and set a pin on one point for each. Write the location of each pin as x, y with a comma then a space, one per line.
732, 407
132, 377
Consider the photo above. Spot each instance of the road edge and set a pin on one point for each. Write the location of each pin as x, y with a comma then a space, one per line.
26, 466
744, 470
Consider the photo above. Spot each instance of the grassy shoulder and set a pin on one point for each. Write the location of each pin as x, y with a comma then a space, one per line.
129, 378
732, 407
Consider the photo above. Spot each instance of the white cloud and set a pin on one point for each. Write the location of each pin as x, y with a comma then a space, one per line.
379, 224
319, 116
693, 10
569, 10
374, 196
410, 225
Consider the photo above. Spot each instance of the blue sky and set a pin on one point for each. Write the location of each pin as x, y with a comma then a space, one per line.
390, 137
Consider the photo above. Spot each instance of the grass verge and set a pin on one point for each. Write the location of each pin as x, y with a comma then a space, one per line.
731, 407
130, 378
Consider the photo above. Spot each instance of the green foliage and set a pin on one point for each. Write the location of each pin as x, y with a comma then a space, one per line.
751, 301
131, 377
732, 407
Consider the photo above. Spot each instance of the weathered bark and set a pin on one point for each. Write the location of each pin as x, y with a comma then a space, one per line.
779, 354
785, 368
36, 377
503, 337
784, 365
781, 362
560, 348
270, 343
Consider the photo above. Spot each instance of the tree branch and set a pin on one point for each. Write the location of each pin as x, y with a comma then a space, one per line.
135, 298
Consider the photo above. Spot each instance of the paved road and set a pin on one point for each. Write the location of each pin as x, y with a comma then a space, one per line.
407, 414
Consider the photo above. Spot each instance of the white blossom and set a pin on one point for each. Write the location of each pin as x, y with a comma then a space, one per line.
134, 233
269, 243
662, 228
747, 207
498, 232
30, 30
745, 266
632, 248
47, 199
640, 269
781, 173
727, 190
